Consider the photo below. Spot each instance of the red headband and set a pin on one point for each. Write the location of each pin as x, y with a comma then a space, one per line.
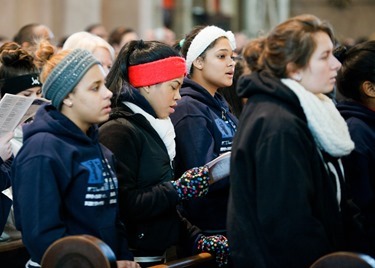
156, 72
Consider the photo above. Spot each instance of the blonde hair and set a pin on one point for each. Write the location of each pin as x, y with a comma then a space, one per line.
88, 41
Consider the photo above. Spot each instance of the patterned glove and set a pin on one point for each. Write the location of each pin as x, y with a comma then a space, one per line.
193, 183
216, 245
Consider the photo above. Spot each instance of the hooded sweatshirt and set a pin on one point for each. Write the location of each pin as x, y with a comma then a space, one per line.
64, 184
283, 209
204, 129
359, 166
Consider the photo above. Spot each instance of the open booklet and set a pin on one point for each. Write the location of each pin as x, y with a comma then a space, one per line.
30, 113
16, 110
219, 167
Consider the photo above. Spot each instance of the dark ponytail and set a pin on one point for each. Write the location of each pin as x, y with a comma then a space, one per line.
340, 53
134, 53
358, 66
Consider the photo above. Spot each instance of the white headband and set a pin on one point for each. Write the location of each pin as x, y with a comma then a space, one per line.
203, 39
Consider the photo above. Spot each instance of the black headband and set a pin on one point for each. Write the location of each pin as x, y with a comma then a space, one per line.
18, 84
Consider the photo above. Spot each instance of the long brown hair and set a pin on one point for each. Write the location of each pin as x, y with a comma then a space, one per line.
292, 42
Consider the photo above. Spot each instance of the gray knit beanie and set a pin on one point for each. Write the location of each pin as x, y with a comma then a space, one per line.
66, 75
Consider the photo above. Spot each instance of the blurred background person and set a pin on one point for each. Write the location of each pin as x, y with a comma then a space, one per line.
162, 34
100, 48
98, 29
120, 36
29, 35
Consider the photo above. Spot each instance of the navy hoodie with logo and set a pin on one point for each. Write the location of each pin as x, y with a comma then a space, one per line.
359, 166
204, 129
63, 184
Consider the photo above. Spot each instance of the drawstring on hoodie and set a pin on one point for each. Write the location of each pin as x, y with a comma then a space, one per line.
227, 119
111, 176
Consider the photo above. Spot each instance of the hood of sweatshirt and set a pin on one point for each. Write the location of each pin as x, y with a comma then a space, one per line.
196, 91
352, 109
50, 120
265, 84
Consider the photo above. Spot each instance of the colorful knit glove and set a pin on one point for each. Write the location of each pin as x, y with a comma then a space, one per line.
193, 183
216, 245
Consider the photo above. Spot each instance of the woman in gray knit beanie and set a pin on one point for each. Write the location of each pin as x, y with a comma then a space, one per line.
73, 190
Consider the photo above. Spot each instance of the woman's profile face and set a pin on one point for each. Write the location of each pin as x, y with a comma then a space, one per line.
163, 97
90, 101
217, 68
319, 76
104, 56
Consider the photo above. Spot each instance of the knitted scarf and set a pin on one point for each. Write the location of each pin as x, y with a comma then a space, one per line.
327, 126
163, 127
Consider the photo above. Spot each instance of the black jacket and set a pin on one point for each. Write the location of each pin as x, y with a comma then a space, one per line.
283, 210
147, 198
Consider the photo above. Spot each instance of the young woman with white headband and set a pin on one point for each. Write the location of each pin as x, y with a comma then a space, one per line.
203, 124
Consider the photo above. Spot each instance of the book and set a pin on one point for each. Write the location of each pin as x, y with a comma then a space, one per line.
219, 168
16, 110
12, 109
30, 113
26, 118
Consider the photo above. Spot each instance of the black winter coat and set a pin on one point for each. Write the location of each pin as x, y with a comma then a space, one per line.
283, 210
147, 198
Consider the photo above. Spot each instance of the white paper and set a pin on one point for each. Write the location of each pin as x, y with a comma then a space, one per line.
12, 109
219, 167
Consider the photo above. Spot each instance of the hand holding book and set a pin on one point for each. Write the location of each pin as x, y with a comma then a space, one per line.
195, 182
219, 168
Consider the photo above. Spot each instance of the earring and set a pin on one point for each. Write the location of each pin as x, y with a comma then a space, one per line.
69, 103
297, 77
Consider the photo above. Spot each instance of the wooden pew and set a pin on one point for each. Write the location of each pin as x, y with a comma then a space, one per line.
79, 251
343, 259
84, 251
11, 245
192, 261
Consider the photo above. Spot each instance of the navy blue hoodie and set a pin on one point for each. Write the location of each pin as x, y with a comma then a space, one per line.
63, 184
359, 166
204, 129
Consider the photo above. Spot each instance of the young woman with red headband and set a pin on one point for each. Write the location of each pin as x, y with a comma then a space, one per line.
146, 78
